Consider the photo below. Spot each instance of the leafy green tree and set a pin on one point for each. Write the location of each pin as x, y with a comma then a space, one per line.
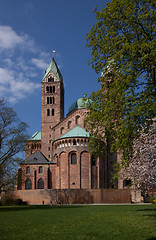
13, 135
122, 46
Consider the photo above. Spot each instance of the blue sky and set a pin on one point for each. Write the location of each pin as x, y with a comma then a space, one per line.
29, 33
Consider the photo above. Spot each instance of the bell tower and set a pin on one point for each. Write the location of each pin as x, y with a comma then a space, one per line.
52, 105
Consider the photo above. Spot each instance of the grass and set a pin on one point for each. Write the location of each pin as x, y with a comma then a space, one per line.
112, 222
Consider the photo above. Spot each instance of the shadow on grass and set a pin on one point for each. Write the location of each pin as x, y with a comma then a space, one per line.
146, 212
152, 238
34, 207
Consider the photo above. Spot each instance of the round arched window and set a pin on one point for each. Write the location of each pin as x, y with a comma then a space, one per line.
28, 170
73, 158
40, 170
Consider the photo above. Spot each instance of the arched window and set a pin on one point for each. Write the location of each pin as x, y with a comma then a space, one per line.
50, 89
53, 89
69, 124
47, 100
40, 170
50, 79
47, 89
74, 142
52, 112
28, 184
61, 130
40, 184
73, 158
48, 112
28, 170
77, 119
53, 100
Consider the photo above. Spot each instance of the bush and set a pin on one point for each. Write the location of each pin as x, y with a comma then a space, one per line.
11, 201
153, 200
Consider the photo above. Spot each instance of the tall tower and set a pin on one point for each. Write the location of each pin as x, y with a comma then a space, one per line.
52, 105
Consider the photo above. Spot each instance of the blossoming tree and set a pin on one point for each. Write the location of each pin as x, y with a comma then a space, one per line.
141, 169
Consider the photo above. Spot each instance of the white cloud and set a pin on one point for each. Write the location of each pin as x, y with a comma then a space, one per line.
39, 63
9, 38
14, 88
5, 76
21, 60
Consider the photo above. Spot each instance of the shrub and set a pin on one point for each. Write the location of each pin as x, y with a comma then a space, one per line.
153, 200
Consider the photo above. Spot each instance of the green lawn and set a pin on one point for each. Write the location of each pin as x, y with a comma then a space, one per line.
124, 222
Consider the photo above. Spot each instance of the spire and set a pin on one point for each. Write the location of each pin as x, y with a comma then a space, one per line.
54, 68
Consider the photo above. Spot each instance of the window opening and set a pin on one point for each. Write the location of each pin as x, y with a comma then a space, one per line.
40, 170
50, 100
48, 112
28, 170
47, 89
28, 184
73, 158
50, 79
77, 119
40, 184
61, 131
69, 124
47, 100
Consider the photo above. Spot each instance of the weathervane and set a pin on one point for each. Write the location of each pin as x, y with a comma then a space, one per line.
54, 53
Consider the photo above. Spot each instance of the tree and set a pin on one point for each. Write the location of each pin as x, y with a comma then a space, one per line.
123, 49
141, 169
12, 142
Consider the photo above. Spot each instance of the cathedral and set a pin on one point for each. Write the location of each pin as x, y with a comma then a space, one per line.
58, 157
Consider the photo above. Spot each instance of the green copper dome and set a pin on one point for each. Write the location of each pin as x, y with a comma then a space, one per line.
76, 132
80, 103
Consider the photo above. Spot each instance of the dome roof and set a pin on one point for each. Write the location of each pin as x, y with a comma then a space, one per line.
80, 103
76, 132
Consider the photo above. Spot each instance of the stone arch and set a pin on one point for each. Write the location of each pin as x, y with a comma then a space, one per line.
85, 169
94, 172
74, 169
63, 169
